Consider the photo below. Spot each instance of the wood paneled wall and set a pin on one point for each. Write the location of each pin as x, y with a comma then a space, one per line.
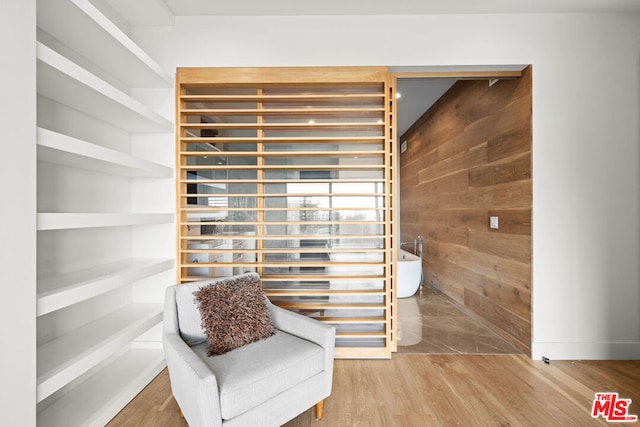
469, 158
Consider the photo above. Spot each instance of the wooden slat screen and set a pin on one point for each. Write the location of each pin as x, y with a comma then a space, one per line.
288, 172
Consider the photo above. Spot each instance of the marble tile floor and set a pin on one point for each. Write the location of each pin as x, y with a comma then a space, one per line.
431, 323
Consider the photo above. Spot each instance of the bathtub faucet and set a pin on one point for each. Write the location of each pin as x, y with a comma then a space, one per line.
417, 245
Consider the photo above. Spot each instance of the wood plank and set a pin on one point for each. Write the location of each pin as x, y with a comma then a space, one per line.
355, 334
328, 306
311, 139
290, 154
472, 74
323, 292
345, 320
471, 218
454, 164
515, 170
451, 182
510, 246
287, 112
511, 195
514, 273
449, 234
285, 76
347, 126
511, 143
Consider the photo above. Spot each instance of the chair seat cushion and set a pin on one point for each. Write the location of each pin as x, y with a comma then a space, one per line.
256, 372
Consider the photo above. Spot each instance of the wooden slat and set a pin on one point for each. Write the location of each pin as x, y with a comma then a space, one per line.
313, 139
341, 334
286, 126
347, 320
288, 263
328, 306
292, 194
292, 154
297, 278
321, 292
311, 277
280, 76
285, 167
286, 237
302, 208
287, 251
320, 112
283, 181
263, 223
331, 97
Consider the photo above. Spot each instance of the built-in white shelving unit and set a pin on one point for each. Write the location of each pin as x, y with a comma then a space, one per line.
103, 43
66, 82
74, 353
65, 150
103, 394
100, 286
63, 221
63, 290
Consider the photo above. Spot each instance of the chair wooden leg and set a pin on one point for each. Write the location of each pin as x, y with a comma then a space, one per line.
319, 408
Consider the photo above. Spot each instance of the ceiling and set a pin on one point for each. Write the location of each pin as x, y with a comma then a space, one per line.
417, 96
395, 7
162, 12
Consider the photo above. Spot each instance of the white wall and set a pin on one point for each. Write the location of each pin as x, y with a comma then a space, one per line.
18, 213
586, 151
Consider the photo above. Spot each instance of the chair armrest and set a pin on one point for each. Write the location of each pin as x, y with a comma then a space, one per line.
192, 383
194, 386
304, 327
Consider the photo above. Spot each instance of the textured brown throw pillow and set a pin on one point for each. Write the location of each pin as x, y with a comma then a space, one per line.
234, 313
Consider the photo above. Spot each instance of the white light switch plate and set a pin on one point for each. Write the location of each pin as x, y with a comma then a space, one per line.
493, 222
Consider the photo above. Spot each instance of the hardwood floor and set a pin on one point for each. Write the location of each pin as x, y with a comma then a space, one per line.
443, 375
440, 390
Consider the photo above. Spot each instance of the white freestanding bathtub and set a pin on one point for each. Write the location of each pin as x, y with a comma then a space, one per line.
409, 274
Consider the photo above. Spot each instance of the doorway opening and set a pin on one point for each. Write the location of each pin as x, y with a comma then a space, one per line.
465, 186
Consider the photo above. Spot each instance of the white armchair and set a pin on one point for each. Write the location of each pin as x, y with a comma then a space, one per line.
265, 383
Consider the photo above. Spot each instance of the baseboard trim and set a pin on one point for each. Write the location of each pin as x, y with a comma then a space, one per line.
585, 350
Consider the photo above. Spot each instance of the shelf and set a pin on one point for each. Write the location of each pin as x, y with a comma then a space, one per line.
65, 150
63, 221
65, 358
101, 396
81, 26
63, 290
66, 82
